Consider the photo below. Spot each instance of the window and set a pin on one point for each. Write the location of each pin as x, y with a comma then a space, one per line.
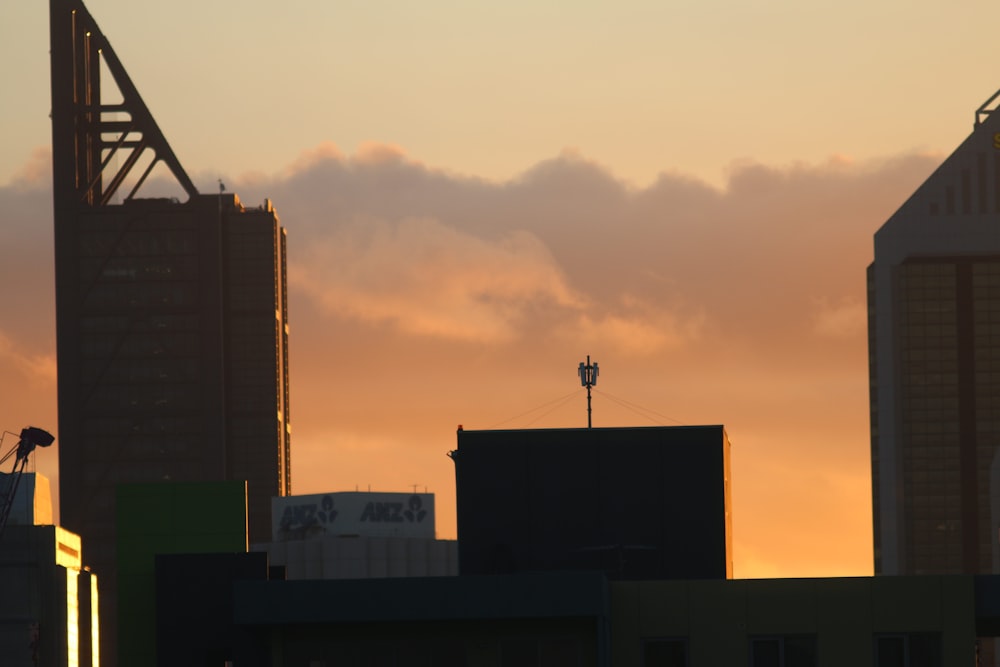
914, 649
519, 652
783, 651
664, 653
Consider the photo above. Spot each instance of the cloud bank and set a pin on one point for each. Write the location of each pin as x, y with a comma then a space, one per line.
423, 298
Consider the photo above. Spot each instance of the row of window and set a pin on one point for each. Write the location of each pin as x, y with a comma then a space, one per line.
164, 344
942, 291
253, 244
932, 477
890, 650
945, 305
179, 398
939, 318
149, 235
142, 295
141, 371
916, 331
917, 270
927, 336
128, 269
934, 526
108, 398
98, 427
930, 425
161, 242
546, 651
173, 294
944, 380
919, 398
930, 354
123, 323
932, 450
934, 500
246, 343
252, 299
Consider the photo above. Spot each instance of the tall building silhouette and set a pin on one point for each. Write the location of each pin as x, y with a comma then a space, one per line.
934, 357
171, 315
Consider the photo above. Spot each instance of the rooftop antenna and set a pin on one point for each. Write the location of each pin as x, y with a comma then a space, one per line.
588, 378
222, 189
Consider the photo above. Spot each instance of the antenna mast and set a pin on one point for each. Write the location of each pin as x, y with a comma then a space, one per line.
588, 378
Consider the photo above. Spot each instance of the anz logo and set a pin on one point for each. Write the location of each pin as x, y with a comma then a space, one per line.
308, 518
319, 516
379, 512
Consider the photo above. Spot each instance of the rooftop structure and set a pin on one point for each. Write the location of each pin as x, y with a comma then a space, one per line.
635, 503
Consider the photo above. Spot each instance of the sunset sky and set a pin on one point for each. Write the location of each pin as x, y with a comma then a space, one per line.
479, 195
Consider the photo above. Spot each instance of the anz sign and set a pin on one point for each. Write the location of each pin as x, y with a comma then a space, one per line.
352, 513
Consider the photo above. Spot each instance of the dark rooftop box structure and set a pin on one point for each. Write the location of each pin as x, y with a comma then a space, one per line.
636, 503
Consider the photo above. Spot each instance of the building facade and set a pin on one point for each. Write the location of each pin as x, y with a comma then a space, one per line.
32, 501
159, 519
574, 619
877, 621
934, 359
635, 503
49, 605
172, 334
357, 535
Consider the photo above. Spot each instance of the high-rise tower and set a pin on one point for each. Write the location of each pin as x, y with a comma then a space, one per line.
171, 315
934, 358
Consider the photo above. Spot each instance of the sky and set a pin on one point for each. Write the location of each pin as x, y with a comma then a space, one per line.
479, 195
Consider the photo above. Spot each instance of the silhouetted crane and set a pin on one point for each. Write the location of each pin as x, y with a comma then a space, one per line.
31, 437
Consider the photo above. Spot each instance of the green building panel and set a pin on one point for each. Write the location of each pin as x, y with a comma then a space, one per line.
168, 518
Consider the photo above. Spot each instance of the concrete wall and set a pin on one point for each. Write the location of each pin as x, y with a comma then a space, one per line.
45, 610
363, 557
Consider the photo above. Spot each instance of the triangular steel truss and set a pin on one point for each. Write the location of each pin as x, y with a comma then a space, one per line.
95, 150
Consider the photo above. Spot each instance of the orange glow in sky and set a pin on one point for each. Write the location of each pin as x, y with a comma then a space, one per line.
421, 300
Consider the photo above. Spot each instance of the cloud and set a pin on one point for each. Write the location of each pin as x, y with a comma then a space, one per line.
36, 172
639, 329
421, 298
373, 154
324, 151
432, 280
37, 370
388, 240
845, 318
741, 305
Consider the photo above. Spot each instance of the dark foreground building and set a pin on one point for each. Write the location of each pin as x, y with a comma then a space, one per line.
172, 335
934, 351
564, 619
249, 615
635, 503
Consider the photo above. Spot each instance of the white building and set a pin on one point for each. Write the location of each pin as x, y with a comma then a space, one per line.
358, 535
48, 600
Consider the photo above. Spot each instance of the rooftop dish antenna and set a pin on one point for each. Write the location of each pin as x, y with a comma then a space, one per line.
31, 437
588, 378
